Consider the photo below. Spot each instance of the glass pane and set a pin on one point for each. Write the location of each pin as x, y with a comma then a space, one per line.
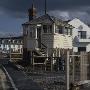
82, 34
50, 28
45, 28
59, 29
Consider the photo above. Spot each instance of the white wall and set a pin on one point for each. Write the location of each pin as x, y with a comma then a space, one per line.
62, 41
76, 23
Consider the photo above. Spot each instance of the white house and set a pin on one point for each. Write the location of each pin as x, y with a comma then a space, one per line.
13, 43
81, 36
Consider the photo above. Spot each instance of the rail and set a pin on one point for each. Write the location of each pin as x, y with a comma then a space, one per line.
11, 80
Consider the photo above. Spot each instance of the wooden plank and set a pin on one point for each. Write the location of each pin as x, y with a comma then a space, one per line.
67, 71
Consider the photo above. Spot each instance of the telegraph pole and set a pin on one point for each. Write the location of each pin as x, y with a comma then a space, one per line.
10, 47
45, 6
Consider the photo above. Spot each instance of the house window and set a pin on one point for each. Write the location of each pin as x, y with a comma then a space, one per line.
31, 34
25, 28
81, 49
50, 29
68, 31
82, 34
59, 29
47, 28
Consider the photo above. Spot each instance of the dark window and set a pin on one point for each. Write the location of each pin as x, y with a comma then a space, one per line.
31, 35
82, 34
50, 29
81, 49
59, 29
47, 28
68, 31
0, 41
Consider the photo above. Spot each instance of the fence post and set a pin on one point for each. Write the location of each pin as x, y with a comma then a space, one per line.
67, 70
83, 66
73, 60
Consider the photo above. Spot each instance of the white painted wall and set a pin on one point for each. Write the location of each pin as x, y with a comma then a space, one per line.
76, 23
62, 41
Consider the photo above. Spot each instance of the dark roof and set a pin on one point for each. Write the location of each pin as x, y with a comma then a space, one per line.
45, 19
42, 19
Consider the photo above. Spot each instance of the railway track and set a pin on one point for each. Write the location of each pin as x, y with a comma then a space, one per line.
5, 82
10, 79
17, 78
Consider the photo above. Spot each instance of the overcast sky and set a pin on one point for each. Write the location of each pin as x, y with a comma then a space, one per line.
14, 12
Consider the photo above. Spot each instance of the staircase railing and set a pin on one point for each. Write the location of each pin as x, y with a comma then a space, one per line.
43, 45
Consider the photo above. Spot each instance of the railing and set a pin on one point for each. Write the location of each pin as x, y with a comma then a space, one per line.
43, 45
80, 38
84, 36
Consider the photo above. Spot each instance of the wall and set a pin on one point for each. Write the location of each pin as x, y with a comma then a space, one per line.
77, 24
62, 41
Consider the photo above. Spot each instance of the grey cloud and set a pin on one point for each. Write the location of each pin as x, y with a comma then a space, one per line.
69, 15
18, 8
23, 5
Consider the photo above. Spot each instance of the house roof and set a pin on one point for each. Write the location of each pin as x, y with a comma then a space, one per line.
47, 19
77, 23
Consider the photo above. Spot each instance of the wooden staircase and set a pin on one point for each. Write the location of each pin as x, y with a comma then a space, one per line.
42, 56
48, 65
41, 52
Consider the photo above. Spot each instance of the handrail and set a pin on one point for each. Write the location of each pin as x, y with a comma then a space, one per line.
44, 45
84, 37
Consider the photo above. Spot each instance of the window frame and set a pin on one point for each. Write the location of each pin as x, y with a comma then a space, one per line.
47, 29
81, 49
81, 35
59, 29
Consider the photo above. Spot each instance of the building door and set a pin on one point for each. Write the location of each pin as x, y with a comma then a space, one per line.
39, 36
